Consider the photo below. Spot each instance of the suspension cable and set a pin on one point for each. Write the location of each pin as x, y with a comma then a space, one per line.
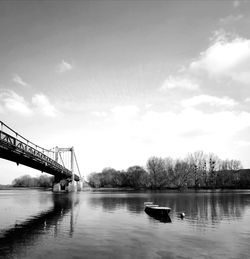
77, 165
61, 158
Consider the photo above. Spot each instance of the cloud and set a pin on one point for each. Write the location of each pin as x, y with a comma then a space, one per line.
247, 99
179, 82
10, 101
167, 125
163, 133
99, 113
17, 79
125, 113
236, 3
43, 105
231, 18
148, 105
209, 100
150, 132
225, 58
39, 105
64, 67
243, 143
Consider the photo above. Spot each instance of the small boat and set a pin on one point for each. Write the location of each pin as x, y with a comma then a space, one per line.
157, 212
148, 203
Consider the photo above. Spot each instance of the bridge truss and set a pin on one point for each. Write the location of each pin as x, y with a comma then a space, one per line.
16, 148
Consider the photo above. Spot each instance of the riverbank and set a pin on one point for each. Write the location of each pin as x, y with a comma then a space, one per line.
10, 187
170, 190
5, 187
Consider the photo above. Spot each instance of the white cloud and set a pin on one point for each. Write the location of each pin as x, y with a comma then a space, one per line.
64, 67
226, 58
172, 125
236, 3
182, 69
247, 99
167, 134
125, 113
209, 100
17, 79
179, 82
243, 143
148, 105
165, 129
10, 101
43, 105
99, 114
231, 18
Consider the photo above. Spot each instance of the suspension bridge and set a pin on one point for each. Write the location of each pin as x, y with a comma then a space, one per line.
59, 162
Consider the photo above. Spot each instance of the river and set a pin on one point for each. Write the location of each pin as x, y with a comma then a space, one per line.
113, 224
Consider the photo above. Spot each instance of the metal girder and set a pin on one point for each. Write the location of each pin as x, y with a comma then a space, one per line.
62, 149
13, 149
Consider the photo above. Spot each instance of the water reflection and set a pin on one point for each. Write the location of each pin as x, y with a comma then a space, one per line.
114, 201
114, 224
209, 208
200, 207
20, 236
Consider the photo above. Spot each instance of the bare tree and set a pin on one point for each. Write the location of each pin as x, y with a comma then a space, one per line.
197, 162
157, 172
214, 164
94, 180
137, 177
182, 173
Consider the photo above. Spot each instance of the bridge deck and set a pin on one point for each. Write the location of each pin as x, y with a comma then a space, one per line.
15, 150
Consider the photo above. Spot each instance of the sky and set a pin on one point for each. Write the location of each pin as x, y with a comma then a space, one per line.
122, 81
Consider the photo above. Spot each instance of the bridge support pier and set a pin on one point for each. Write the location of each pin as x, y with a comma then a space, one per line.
75, 187
60, 185
79, 186
72, 187
57, 187
66, 186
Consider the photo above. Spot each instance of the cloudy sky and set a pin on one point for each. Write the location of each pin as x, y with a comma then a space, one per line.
125, 80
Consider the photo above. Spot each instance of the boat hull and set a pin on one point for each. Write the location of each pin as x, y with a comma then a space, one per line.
157, 211
160, 215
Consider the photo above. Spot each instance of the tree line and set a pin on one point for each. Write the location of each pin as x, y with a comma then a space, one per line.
28, 181
196, 170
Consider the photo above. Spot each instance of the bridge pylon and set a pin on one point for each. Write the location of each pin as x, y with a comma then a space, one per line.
69, 184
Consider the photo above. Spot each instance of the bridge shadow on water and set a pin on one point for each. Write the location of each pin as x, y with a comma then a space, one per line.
17, 238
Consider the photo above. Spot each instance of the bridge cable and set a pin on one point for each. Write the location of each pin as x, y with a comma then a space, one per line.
77, 165
61, 158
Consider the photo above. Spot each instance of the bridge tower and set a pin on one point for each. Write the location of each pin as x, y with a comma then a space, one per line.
70, 185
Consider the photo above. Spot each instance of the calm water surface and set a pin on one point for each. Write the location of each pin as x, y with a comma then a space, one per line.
40, 224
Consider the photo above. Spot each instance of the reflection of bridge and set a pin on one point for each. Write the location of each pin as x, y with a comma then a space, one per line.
17, 238
18, 149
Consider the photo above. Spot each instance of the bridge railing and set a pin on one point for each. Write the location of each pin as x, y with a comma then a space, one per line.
13, 139
11, 132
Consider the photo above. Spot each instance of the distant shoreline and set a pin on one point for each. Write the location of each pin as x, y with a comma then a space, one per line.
10, 187
169, 189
